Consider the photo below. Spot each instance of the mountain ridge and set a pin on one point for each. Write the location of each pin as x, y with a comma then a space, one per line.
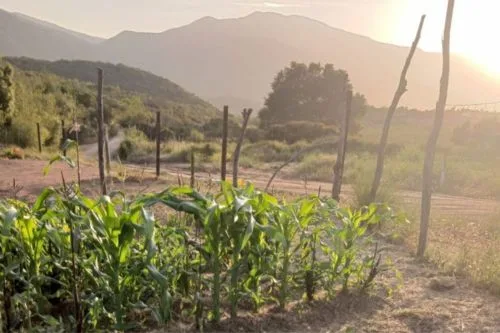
239, 57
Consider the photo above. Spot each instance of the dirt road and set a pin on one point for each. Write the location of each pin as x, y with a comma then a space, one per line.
29, 175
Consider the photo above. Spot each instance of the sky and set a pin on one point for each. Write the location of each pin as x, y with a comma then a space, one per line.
474, 31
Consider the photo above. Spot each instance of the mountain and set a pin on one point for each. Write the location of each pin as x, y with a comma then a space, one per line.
238, 58
20, 36
85, 37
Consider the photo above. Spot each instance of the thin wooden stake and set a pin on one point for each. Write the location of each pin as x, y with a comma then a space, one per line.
63, 136
107, 153
225, 121
100, 130
434, 136
192, 182
236, 157
390, 113
338, 170
158, 134
76, 129
39, 137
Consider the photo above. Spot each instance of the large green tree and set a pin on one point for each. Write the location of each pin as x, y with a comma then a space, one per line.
313, 93
6, 95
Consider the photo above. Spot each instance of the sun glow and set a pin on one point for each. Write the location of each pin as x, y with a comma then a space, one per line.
475, 32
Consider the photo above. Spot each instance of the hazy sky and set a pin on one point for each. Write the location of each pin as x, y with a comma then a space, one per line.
392, 21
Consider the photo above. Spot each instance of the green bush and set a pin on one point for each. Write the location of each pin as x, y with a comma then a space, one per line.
196, 136
318, 167
294, 131
125, 149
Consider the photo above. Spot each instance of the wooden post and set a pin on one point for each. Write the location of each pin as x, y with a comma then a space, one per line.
39, 137
236, 157
158, 133
338, 170
107, 153
225, 122
63, 136
192, 182
77, 130
100, 130
434, 136
390, 113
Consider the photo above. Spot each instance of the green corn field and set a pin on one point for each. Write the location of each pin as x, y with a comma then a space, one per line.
69, 262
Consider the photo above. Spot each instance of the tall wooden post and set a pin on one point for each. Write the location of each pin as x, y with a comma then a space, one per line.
63, 136
434, 136
76, 128
338, 170
236, 157
39, 137
107, 153
100, 130
390, 113
158, 133
225, 122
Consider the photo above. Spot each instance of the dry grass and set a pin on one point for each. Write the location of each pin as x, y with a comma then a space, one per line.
461, 243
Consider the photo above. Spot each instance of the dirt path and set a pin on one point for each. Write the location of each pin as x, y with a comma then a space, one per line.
90, 150
29, 174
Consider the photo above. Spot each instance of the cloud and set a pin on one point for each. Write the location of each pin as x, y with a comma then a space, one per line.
274, 5
283, 5
294, 4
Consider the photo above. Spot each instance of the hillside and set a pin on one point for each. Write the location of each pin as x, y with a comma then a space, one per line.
238, 58
127, 78
130, 99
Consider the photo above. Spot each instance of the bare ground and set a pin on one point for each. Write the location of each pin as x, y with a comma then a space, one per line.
403, 300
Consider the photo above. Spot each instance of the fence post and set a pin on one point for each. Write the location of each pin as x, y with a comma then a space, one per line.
430, 149
39, 137
236, 158
107, 153
192, 183
63, 136
338, 170
224, 143
158, 133
100, 130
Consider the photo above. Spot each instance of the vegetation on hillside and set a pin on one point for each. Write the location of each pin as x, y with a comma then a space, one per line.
46, 98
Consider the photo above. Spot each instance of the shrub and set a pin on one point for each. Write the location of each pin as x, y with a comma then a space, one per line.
196, 136
125, 149
317, 167
294, 131
255, 134
213, 128
14, 153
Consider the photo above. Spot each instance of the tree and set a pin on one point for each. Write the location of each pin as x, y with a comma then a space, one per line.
312, 93
6, 95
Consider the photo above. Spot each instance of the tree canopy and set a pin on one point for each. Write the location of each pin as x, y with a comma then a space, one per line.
313, 93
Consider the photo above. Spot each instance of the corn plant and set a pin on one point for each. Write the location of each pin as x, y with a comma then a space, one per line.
70, 262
